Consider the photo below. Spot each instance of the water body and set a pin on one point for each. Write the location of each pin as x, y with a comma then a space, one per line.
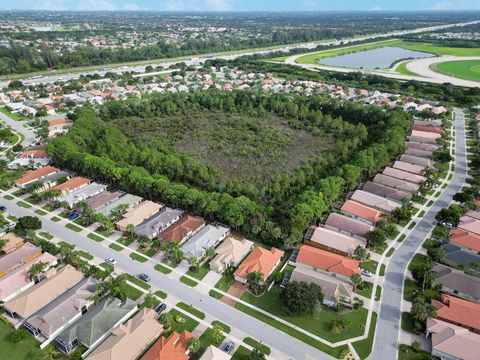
371, 59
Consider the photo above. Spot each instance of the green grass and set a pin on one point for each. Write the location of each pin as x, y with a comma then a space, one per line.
382, 270
103, 232
138, 282
407, 322
406, 352
138, 258
321, 326
162, 269
422, 213
412, 225
335, 352
366, 290
125, 241
191, 310
161, 294
188, 325
370, 265
56, 219
225, 327
364, 347
46, 235
85, 255
378, 293
40, 212
402, 69
11, 115
150, 252
206, 339
115, 247
95, 237
464, 69
27, 349
242, 353
200, 273
188, 282
132, 293
24, 204
257, 345
8, 197
390, 252
430, 203
417, 261
73, 227
66, 245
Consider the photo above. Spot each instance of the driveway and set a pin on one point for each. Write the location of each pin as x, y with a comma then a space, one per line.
237, 289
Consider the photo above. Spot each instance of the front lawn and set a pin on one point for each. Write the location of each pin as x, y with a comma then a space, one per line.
242, 353
407, 322
94, 237
201, 272
322, 325
115, 247
364, 347
85, 255
138, 282
407, 353
188, 281
206, 339
410, 290
73, 227
162, 295
189, 324
370, 265
24, 204
257, 345
46, 235
365, 290
132, 293
125, 241
191, 310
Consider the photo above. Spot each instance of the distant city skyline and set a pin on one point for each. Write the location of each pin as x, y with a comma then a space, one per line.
241, 5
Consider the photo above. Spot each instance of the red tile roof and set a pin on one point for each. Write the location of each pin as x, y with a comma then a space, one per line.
178, 231
36, 154
465, 239
60, 121
36, 174
458, 311
261, 260
173, 347
72, 184
363, 211
327, 261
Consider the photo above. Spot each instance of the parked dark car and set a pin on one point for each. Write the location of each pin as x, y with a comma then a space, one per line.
144, 277
160, 308
229, 346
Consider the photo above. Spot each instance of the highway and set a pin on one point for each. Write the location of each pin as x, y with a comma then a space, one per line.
389, 318
197, 59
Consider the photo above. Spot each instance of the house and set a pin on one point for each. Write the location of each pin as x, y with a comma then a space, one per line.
94, 326
230, 253
465, 239
439, 110
461, 257
104, 198
417, 160
207, 237
469, 224
459, 312
452, 342
82, 193
386, 191
58, 126
428, 123
18, 280
72, 185
214, 353
426, 128
182, 230
396, 183
127, 200
329, 263
129, 340
173, 347
12, 242
334, 290
346, 225
375, 201
473, 214
158, 222
56, 283
53, 318
424, 137
333, 241
24, 254
51, 180
34, 175
361, 211
134, 216
419, 153
411, 168
456, 282
421, 146
404, 175
259, 260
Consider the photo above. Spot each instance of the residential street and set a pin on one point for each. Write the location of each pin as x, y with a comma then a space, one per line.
388, 324
19, 126
272, 337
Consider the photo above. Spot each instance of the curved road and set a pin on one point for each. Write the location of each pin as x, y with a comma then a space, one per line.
388, 325
19, 127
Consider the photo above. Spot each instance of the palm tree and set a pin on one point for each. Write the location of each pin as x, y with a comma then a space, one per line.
217, 333
356, 280
36, 271
194, 344
34, 187
193, 262
129, 230
51, 353
149, 301
145, 242
210, 252
70, 256
167, 320
254, 280
175, 252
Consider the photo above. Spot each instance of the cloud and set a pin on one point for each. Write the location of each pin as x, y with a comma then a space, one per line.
218, 5
174, 6
98, 5
50, 5
376, 8
443, 5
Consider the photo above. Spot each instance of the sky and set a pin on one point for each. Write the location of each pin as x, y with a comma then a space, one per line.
240, 5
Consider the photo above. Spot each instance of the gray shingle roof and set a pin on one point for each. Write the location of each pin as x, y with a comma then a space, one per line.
158, 222
209, 236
